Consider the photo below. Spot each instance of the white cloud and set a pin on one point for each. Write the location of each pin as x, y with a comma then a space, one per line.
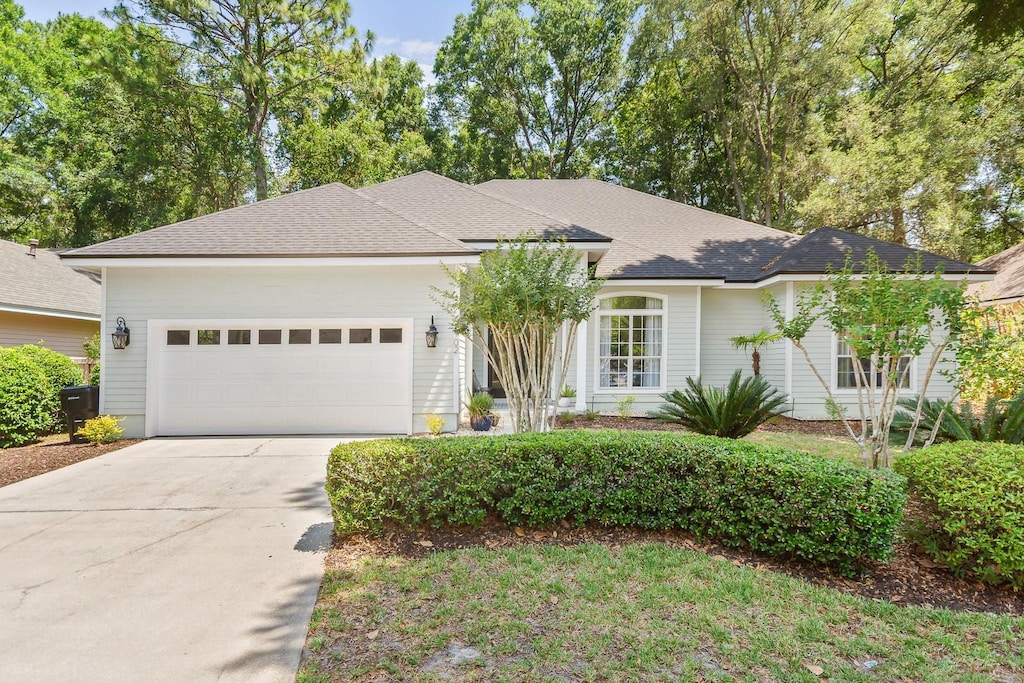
428, 73
418, 49
390, 40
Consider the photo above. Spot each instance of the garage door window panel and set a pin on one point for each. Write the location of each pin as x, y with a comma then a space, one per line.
300, 337
360, 335
330, 336
239, 337
208, 337
270, 336
391, 335
179, 337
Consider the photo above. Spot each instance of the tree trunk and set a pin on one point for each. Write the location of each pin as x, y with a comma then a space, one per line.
757, 363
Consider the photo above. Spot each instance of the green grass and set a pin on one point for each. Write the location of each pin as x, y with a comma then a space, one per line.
643, 612
839, 448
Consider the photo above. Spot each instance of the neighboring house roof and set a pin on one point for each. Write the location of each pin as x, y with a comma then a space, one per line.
1008, 285
42, 284
427, 214
465, 213
652, 237
330, 220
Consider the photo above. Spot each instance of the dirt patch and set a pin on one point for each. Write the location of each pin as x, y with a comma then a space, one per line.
910, 578
50, 453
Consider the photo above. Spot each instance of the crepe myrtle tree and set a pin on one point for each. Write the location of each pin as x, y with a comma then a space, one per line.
526, 291
887, 319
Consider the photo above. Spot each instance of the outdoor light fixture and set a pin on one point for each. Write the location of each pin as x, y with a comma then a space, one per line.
121, 336
431, 334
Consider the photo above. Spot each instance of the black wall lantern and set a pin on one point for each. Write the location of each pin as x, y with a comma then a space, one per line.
431, 334
122, 336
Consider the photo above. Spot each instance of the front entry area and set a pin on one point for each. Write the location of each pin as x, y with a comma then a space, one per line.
248, 377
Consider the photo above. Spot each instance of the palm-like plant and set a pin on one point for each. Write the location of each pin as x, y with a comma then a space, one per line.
755, 342
1002, 420
733, 411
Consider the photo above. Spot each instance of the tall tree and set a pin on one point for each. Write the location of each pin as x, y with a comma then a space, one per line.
257, 57
524, 87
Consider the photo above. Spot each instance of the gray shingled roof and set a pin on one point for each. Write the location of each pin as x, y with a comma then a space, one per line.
652, 237
1008, 285
331, 220
42, 283
828, 248
465, 213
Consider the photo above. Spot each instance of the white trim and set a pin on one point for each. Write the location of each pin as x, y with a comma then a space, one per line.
581, 366
823, 277
154, 326
663, 311
103, 338
52, 314
247, 261
665, 282
696, 331
790, 311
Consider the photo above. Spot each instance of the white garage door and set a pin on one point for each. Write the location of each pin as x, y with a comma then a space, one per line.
259, 377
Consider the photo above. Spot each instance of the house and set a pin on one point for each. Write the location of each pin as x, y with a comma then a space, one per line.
1007, 288
44, 301
308, 313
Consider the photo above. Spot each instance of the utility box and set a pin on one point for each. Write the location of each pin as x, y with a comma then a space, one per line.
79, 404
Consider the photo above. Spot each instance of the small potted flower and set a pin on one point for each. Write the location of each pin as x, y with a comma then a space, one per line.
565, 398
479, 407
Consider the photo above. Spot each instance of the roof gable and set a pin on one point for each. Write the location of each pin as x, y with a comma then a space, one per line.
1008, 284
42, 283
330, 220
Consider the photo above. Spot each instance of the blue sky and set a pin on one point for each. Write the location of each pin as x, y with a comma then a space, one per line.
411, 28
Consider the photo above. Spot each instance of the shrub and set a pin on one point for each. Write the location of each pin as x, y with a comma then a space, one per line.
624, 406
24, 391
1002, 420
732, 412
479, 404
435, 423
60, 371
775, 501
973, 495
566, 418
591, 415
102, 429
94, 375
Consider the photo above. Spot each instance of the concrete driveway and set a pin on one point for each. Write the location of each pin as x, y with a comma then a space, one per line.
169, 560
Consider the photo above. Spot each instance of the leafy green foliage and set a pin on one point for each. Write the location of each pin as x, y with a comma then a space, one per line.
1002, 420
526, 293
991, 354
60, 371
883, 317
732, 411
435, 423
755, 342
775, 501
24, 399
624, 406
973, 495
91, 347
479, 404
101, 429
94, 375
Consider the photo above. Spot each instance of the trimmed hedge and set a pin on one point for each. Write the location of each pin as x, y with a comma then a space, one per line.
773, 500
24, 389
973, 495
61, 372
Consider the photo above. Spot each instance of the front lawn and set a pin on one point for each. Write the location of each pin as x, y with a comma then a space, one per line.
830, 446
636, 612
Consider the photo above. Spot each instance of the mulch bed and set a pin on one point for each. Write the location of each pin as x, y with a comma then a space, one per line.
778, 424
50, 453
910, 577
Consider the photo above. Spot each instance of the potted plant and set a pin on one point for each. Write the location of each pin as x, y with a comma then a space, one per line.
565, 398
479, 407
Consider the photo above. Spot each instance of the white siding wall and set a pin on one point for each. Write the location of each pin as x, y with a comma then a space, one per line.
728, 313
64, 335
141, 294
680, 338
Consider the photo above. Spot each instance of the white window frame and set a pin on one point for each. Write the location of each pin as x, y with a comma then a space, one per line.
663, 358
836, 340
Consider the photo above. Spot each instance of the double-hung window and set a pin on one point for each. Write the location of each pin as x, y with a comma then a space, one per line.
630, 342
846, 375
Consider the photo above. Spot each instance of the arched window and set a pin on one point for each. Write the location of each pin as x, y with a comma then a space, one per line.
631, 350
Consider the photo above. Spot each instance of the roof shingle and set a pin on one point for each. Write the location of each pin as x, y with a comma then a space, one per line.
1008, 285
43, 283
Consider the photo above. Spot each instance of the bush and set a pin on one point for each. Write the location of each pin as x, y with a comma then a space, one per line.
61, 372
732, 412
24, 391
775, 501
102, 429
973, 495
94, 375
435, 423
1002, 420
